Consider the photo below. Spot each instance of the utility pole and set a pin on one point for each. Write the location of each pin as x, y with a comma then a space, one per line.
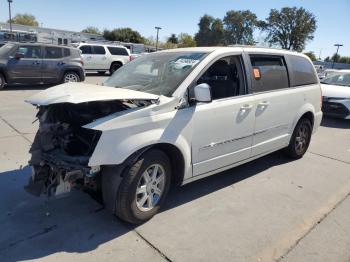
336, 54
10, 1
157, 28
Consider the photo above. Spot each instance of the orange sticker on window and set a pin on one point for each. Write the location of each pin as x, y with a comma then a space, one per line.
256, 73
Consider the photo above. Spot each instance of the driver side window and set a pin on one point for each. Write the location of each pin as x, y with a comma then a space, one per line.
225, 77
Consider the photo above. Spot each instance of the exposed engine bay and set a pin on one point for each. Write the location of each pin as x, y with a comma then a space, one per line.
62, 146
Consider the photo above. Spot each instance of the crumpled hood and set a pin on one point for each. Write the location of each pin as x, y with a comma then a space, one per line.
335, 91
80, 92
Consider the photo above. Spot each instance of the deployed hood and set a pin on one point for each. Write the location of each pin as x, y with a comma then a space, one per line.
76, 93
335, 91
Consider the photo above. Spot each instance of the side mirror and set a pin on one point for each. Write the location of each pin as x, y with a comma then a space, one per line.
19, 55
202, 93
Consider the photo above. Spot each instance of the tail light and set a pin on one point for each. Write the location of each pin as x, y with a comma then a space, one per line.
130, 58
321, 98
82, 62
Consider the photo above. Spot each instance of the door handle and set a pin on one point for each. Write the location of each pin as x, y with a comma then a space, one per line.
60, 63
36, 63
264, 103
246, 107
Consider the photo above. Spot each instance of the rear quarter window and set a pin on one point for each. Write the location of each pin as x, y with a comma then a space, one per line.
302, 71
118, 51
53, 52
66, 52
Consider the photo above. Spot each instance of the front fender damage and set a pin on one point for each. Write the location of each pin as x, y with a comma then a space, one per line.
62, 146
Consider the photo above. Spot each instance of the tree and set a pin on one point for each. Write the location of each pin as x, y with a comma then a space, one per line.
185, 40
344, 59
239, 27
336, 57
289, 28
91, 30
327, 59
311, 55
173, 39
123, 35
211, 31
24, 19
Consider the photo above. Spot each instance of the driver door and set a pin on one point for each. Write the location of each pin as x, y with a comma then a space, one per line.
223, 129
28, 69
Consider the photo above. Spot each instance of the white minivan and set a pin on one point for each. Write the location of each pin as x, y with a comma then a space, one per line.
103, 57
172, 117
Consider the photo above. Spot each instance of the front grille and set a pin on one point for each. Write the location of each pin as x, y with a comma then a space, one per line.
335, 109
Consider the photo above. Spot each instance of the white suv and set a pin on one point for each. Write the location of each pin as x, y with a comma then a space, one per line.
172, 116
102, 57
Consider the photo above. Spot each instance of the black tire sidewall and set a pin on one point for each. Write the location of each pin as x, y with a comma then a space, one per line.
292, 148
130, 212
114, 67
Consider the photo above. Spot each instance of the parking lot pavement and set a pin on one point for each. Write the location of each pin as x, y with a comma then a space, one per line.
270, 209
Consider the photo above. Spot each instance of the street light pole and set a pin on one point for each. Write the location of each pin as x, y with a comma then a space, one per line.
157, 28
10, 1
336, 54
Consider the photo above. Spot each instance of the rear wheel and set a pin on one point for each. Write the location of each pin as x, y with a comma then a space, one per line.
144, 187
114, 67
2, 81
70, 77
300, 139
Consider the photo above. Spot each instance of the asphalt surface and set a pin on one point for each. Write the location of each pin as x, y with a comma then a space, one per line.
272, 209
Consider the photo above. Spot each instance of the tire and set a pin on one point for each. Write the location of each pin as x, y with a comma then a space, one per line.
114, 67
70, 76
300, 140
2, 81
101, 72
137, 208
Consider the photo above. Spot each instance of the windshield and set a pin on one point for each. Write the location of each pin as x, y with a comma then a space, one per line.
340, 79
157, 73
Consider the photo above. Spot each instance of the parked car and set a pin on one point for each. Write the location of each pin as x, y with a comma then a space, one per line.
22, 63
336, 95
171, 117
104, 57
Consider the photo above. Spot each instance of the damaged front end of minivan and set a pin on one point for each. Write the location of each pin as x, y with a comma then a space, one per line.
62, 146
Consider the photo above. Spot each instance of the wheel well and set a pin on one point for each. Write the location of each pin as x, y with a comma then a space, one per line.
117, 62
176, 159
71, 70
309, 115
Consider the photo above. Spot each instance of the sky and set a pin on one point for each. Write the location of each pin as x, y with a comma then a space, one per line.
177, 16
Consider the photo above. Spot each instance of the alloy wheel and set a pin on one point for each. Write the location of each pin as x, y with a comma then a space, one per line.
302, 138
150, 187
70, 77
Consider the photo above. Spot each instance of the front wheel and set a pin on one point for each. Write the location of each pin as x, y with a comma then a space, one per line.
300, 139
144, 187
70, 77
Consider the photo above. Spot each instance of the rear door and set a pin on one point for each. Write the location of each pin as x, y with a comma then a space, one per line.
100, 58
272, 96
26, 70
53, 64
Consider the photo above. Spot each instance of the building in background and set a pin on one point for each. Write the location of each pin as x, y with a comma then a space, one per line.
23, 33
